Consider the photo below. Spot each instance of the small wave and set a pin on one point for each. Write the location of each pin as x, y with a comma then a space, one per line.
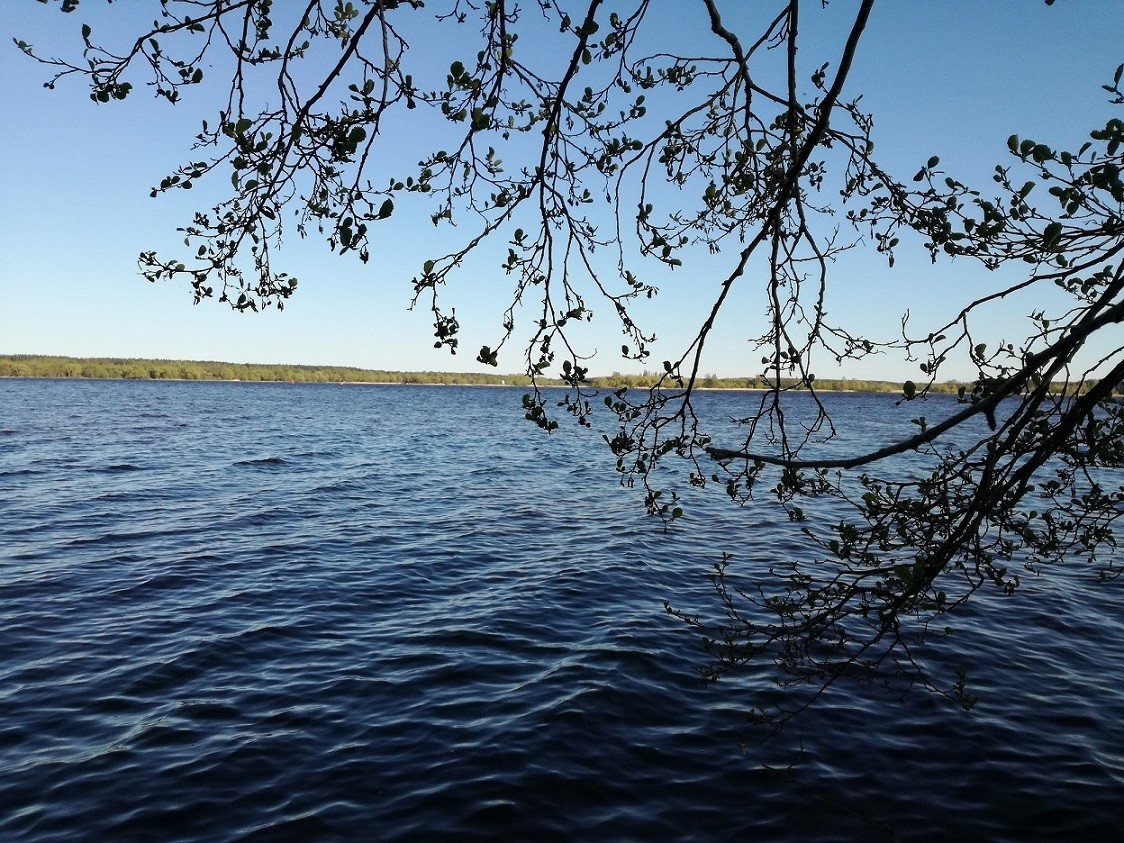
262, 461
20, 472
119, 467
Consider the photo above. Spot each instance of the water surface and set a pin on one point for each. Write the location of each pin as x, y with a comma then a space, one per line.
271, 611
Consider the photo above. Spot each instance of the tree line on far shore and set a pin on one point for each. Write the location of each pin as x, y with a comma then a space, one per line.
37, 366
34, 366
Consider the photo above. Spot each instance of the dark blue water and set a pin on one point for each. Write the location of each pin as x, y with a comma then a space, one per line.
274, 612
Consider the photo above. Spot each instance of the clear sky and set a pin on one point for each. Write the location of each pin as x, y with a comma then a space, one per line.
946, 77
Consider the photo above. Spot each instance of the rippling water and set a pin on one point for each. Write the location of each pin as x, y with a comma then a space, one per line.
271, 612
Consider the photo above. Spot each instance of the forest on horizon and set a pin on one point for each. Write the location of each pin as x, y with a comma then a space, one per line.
114, 368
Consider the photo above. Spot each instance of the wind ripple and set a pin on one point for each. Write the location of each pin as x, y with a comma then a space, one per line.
262, 612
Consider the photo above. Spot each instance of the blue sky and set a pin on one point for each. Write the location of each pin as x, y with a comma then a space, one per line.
947, 78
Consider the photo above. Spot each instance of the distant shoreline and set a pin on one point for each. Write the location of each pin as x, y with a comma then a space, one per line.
543, 382
112, 368
554, 384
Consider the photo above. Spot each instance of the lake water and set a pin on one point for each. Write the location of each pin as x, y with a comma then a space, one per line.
309, 612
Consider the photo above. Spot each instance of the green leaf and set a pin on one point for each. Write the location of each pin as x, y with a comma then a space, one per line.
86, 32
387, 209
909, 389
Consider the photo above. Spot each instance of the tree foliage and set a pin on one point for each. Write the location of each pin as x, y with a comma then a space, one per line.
598, 155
